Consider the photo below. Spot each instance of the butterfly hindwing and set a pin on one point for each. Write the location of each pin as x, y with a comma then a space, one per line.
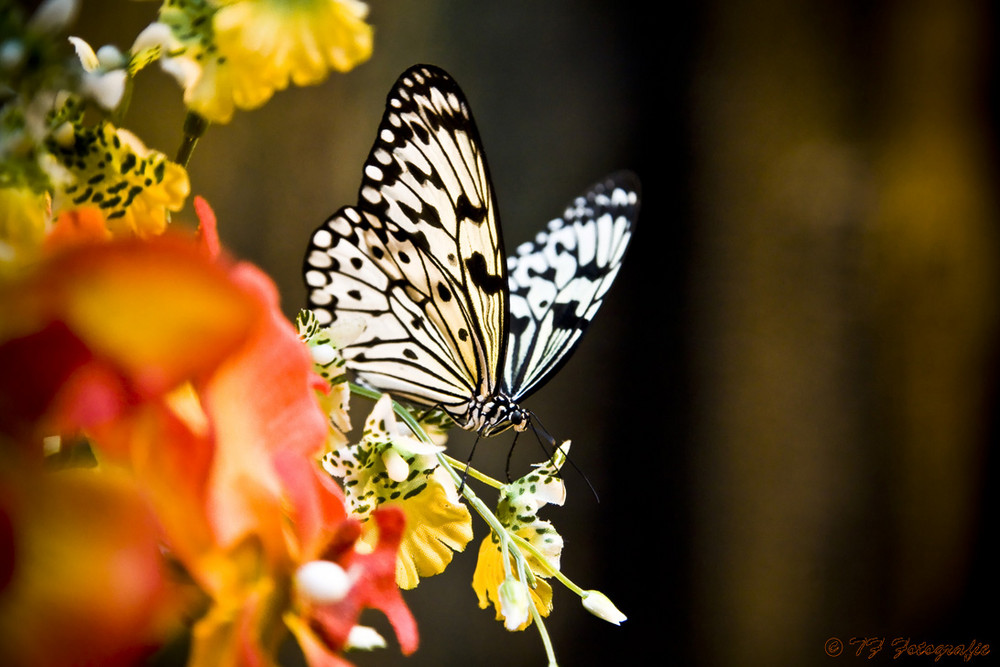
559, 280
420, 256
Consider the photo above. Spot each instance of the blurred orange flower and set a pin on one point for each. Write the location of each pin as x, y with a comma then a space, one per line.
85, 582
178, 366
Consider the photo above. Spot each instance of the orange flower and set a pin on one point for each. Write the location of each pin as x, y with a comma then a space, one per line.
61, 531
179, 367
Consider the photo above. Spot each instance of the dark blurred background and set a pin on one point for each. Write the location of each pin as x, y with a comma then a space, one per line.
787, 405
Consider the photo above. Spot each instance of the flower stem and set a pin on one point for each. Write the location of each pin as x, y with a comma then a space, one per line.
194, 127
563, 579
473, 473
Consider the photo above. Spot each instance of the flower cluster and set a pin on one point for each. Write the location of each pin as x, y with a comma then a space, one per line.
230, 54
176, 463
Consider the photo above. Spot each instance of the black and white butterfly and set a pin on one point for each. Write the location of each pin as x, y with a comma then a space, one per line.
449, 322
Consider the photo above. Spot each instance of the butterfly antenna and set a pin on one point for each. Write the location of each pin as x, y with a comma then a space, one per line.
551, 455
510, 453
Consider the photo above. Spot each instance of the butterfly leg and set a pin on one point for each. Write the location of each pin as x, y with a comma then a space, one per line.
468, 464
510, 453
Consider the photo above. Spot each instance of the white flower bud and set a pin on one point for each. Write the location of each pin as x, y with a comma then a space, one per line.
11, 54
363, 638
110, 57
53, 15
323, 354
514, 600
322, 582
599, 605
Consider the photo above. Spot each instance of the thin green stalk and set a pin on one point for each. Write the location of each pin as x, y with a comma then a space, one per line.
194, 127
529, 547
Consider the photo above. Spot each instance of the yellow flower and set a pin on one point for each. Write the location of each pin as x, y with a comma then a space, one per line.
490, 576
389, 468
135, 187
23, 217
518, 512
281, 41
237, 53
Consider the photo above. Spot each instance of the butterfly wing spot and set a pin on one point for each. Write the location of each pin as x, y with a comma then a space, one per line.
481, 276
320, 260
322, 238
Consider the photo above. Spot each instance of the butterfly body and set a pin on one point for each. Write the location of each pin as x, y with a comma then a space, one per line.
449, 321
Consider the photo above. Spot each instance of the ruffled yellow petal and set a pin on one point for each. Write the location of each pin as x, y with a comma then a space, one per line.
236, 54
270, 43
435, 529
490, 574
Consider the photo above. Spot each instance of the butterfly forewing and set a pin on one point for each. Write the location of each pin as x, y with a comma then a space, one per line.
559, 280
421, 255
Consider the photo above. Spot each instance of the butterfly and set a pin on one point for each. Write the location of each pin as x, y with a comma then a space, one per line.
449, 322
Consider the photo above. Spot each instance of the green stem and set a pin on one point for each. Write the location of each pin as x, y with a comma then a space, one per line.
544, 634
473, 473
118, 115
563, 579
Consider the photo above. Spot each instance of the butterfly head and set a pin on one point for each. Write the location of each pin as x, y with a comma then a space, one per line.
492, 415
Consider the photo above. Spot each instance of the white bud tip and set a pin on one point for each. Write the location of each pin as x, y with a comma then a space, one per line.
514, 600
599, 605
323, 354
322, 582
395, 465
110, 57
363, 638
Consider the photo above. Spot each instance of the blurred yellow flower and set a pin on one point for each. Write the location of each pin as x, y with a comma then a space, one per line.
237, 53
135, 187
282, 41
23, 217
